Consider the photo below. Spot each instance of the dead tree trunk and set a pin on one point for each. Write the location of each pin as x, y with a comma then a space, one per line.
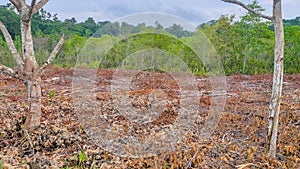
274, 111
28, 69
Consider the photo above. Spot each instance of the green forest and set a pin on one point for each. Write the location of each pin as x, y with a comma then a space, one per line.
245, 44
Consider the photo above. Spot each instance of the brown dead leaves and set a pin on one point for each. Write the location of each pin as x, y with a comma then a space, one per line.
238, 142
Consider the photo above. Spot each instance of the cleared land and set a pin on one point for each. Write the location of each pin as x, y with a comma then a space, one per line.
238, 141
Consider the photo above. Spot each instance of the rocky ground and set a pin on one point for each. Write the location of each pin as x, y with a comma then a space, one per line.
63, 139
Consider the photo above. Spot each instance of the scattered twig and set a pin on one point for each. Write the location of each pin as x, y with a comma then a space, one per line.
30, 141
297, 123
162, 163
189, 163
246, 165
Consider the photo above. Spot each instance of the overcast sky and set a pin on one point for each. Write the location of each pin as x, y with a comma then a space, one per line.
194, 11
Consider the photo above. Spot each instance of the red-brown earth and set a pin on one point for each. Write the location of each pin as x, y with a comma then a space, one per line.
61, 141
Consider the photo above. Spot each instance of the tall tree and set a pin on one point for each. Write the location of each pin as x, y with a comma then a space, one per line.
273, 119
27, 67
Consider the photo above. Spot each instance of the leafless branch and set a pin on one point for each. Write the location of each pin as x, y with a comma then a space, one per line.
10, 72
249, 9
15, 3
33, 2
31, 9
11, 46
53, 54
39, 5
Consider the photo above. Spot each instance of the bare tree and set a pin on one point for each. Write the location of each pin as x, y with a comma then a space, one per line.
27, 68
276, 18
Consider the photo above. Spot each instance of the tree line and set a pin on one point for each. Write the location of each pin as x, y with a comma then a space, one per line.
245, 44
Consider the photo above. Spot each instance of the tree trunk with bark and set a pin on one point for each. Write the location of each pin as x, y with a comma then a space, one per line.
277, 78
274, 111
28, 70
34, 95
